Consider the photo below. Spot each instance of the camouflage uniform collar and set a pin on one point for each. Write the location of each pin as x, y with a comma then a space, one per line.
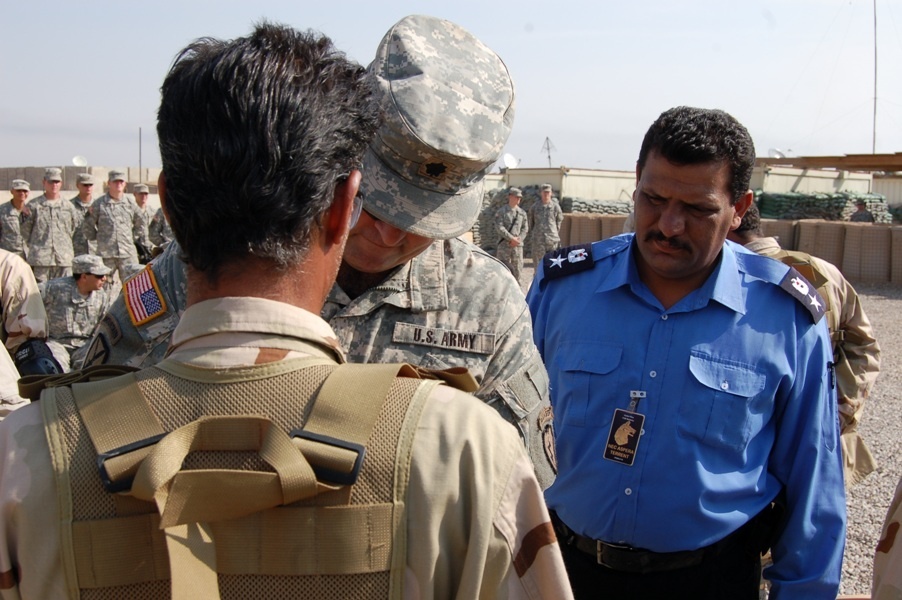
256, 316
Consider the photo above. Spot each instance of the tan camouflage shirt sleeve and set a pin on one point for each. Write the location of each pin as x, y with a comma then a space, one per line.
23, 309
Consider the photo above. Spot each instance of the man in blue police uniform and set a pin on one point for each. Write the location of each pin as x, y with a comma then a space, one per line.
692, 390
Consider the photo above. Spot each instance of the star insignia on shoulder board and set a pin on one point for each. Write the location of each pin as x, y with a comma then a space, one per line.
557, 261
815, 302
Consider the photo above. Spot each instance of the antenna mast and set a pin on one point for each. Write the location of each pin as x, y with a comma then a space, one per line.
874, 132
547, 147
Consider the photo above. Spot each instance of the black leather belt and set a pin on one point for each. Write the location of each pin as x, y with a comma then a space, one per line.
627, 558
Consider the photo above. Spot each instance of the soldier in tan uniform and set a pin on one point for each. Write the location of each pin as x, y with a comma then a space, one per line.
445, 503
409, 290
23, 317
856, 352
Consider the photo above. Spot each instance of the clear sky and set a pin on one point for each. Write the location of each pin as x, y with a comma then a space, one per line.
81, 77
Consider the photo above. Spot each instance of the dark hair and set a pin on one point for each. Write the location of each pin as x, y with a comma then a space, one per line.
254, 135
751, 220
689, 136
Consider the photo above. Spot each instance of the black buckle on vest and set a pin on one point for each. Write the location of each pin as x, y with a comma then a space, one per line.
125, 484
325, 473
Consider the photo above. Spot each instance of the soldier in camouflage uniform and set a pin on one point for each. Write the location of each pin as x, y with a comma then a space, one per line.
82, 203
47, 229
511, 226
159, 231
11, 218
545, 218
141, 193
410, 290
74, 306
115, 221
856, 353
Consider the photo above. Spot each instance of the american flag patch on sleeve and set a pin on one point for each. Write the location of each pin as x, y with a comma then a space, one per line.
143, 297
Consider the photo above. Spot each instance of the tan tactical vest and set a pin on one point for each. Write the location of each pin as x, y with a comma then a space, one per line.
226, 506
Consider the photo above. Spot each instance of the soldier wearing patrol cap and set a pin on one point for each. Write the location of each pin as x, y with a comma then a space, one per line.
263, 466
512, 228
11, 218
545, 218
116, 222
74, 305
47, 229
408, 288
82, 202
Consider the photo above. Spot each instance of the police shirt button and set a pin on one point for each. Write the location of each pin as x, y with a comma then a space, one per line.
663, 317
652, 373
627, 491
724, 385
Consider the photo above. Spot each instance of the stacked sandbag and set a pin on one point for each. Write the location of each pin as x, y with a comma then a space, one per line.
597, 207
836, 206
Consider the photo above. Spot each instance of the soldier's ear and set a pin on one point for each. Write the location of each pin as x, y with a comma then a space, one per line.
337, 221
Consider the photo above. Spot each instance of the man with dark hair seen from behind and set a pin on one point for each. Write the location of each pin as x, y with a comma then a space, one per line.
261, 139
692, 386
856, 353
409, 290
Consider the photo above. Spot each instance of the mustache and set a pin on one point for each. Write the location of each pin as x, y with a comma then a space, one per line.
675, 243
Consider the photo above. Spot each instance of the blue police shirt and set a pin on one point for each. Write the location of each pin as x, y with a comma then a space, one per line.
739, 405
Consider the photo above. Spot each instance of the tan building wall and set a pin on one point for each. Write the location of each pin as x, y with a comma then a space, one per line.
890, 187
779, 180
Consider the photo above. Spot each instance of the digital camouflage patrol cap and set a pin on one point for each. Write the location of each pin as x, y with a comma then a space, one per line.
448, 102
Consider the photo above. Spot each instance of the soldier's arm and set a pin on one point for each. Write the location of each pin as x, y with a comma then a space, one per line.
859, 350
23, 308
27, 224
89, 224
526, 227
499, 226
139, 228
558, 216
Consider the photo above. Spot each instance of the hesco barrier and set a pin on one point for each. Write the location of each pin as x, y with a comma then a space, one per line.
864, 252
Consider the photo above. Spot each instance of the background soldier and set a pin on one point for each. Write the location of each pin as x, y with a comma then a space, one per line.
115, 221
545, 218
856, 354
11, 218
159, 231
512, 227
409, 290
445, 503
47, 229
142, 192
74, 305
82, 203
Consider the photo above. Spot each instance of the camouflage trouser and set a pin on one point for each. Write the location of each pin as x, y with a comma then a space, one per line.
42, 274
512, 257
122, 269
540, 248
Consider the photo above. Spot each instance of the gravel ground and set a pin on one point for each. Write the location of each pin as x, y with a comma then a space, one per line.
881, 428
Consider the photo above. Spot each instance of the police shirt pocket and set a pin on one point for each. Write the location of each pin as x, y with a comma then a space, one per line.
718, 406
591, 376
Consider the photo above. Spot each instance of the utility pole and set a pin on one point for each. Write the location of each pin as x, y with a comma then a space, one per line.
874, 132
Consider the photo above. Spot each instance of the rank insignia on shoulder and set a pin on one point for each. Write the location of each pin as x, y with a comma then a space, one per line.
143, 298
802, 290
566, 261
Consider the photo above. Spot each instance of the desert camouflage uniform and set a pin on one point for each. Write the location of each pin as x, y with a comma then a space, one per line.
510, 223
456, 306
481, 501
888, 558
80, 243
159, 231
47, 229
429, 313
11, 229
116, 225
856, 353
23, 317
71, 316
544, 227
